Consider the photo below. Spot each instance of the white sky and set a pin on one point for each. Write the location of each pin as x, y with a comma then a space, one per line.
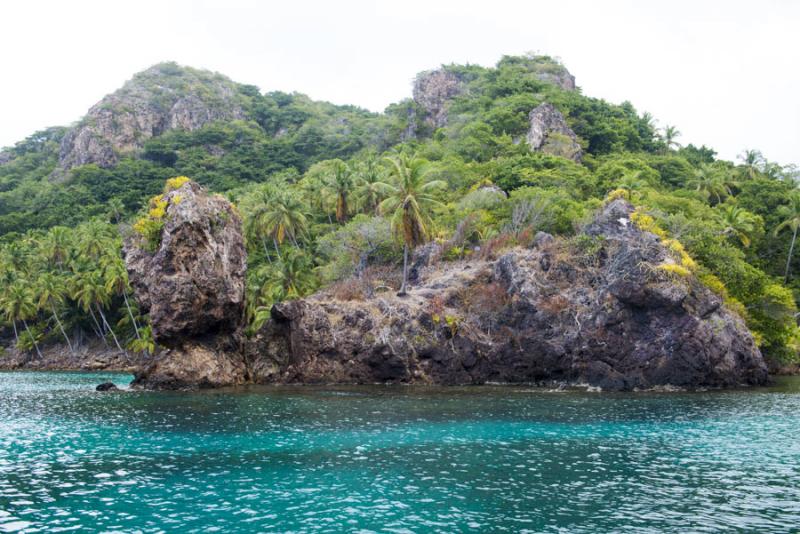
726, 73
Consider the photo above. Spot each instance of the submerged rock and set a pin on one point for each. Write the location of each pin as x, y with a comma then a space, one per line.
192, 286
606, 315
107, 386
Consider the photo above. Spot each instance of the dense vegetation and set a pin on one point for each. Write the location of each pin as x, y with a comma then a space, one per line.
335, 195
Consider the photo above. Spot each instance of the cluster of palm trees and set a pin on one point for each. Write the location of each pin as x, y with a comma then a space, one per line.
66, 282
279, 217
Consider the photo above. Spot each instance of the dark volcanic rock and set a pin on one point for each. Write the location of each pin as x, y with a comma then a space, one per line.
549, 133
193, 284
210, 363
107, 386
193, 288
610, 318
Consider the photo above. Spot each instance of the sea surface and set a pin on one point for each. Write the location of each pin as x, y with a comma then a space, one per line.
395, 459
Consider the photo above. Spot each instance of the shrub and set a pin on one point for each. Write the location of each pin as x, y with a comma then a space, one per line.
175, 183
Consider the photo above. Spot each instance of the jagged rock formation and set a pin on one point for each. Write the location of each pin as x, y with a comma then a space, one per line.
161, 98
549, 133
433, 91
193, 288
608, 317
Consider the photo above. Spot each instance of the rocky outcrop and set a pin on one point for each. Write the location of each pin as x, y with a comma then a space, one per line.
599, 311
164, 97
192, 286
549, 133
433, 91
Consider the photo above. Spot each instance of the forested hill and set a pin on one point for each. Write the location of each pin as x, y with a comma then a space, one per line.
515, 149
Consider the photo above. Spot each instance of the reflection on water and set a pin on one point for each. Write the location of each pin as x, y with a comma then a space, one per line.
394, 459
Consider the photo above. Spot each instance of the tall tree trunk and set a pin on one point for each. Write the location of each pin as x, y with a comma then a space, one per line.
16, 334
130, 312
277, 250
405, 270
266, 250
113, 335
36, 345
99, 329
61, 327
789, 257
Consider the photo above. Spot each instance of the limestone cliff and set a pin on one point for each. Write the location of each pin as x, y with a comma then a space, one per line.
550, 133
163, 97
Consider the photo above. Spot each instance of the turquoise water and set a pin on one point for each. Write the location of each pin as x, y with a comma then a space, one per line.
487, 459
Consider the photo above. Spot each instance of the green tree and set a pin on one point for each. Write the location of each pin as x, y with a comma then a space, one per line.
116, 282
340, 185
712, 182
669, 135
790, 214
90, 290
51, 291
738, 223
410, 203
19, 305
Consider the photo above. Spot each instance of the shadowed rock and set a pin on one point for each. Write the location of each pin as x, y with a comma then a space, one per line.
192, 286
607, 317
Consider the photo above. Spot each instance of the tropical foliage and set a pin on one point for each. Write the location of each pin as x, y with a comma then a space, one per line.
335, 193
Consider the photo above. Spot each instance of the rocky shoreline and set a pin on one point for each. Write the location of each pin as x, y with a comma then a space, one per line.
614, 309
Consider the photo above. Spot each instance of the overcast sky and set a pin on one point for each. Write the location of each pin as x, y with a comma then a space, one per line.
727, 74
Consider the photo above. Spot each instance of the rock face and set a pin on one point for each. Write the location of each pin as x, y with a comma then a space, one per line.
164, 97
605, 315
193, 288
433, 91
549, 133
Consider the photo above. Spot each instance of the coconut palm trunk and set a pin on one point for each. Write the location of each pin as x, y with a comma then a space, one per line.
405, 270
16, 334
36, 345
130, 313
99, 329
113, 335
61, 327
789, 257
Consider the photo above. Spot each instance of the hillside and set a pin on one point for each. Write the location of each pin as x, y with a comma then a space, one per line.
490, 155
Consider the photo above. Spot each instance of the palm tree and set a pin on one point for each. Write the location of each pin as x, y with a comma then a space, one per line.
631, 181
668, 135
284, 217
57, 245
711, 182
368, 186
339, 185
410, 203
791, 220
116, 209
91, 291
18, 305
292, 277
739, 223
116, 277
752, 162
52, 290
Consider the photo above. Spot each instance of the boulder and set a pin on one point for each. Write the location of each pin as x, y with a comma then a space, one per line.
193, 283
209, 363
192, 286
606, 316
106, 386
549, 133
